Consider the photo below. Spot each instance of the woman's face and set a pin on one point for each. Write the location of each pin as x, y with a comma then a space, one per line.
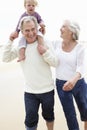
65, 31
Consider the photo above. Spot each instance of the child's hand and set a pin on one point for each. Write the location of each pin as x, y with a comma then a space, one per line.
42, 30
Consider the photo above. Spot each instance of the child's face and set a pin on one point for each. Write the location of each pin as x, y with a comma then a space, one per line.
30, 7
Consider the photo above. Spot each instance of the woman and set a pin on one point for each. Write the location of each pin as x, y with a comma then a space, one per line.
69, 75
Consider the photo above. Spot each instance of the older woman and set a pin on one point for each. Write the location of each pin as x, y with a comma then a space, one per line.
69, 74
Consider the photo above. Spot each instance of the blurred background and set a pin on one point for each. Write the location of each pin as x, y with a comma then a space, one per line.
53, 12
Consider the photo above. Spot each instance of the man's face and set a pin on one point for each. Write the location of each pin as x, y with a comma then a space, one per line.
30, 31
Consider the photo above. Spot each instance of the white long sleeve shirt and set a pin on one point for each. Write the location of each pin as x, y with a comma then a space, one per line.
69, 62
36, 67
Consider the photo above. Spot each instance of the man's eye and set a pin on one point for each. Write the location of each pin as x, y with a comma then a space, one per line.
26, 30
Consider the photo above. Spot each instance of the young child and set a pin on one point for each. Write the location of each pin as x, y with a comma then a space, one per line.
30, 11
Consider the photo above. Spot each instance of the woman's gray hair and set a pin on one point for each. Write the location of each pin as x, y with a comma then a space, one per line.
27, 19
75, 28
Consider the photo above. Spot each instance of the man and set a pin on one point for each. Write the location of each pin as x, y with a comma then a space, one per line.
39, 88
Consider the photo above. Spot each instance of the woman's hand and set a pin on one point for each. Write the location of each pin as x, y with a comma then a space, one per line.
70, 84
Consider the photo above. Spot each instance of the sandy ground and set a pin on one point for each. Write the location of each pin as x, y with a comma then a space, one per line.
12, 111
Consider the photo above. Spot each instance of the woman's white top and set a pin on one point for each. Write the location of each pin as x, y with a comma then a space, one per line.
69, 62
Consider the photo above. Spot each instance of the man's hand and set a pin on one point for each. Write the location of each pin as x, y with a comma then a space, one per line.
42, 49
13, 35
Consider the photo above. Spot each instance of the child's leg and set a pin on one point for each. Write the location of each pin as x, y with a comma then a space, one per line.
22, 47
21, 54
40, 39
85, 125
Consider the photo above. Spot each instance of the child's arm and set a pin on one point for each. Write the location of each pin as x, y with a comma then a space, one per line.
15, 34
40, 22
42, 29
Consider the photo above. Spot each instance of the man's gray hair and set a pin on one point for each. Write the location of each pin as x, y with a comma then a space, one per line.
27, 19
75, 28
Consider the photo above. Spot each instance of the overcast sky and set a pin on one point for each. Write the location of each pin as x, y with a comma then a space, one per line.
53, 13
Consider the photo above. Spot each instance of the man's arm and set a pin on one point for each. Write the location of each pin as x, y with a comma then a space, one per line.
10, 52
48, 54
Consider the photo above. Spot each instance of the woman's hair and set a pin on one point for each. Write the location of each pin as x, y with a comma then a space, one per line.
27, 19
31, 1
74, 28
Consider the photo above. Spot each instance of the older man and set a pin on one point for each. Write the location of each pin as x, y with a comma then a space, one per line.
39, 87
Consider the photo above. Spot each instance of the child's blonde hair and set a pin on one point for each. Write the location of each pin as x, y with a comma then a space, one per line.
31, 1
